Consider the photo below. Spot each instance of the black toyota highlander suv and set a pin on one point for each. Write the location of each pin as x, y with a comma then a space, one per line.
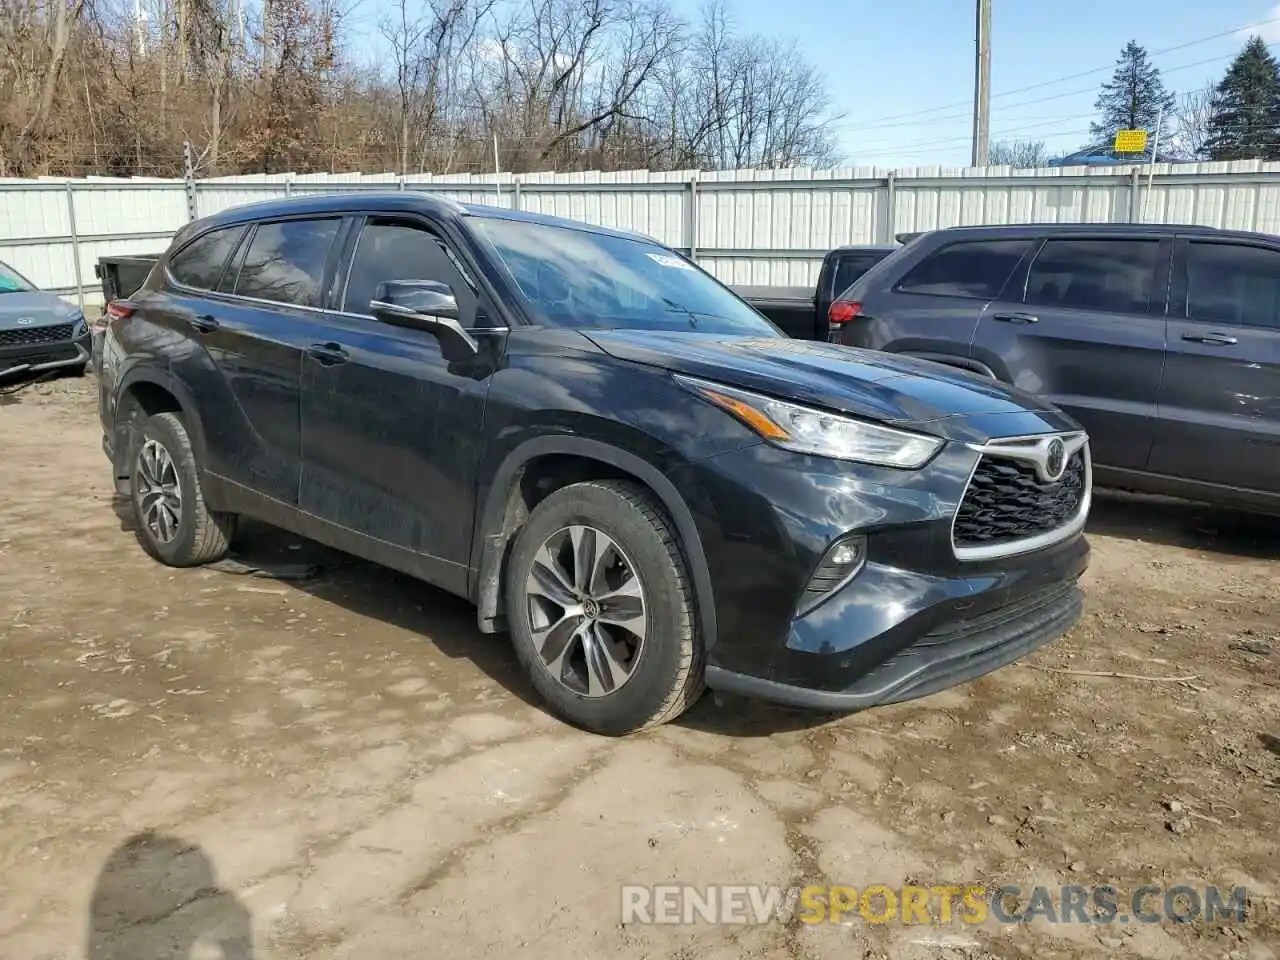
613, 456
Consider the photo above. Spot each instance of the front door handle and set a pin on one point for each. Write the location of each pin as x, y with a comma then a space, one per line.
328, 354
1015, 317
1212, 339
205, 323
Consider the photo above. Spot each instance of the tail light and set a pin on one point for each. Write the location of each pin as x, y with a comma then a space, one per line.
842, 311
118, 310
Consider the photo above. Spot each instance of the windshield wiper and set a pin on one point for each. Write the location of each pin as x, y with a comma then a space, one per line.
677, 308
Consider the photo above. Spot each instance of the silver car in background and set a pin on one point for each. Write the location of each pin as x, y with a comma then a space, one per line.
39, 332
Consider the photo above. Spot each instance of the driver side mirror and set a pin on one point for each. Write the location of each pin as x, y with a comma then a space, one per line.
426, 305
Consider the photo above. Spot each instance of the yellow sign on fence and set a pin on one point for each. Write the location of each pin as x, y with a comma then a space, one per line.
1130, 141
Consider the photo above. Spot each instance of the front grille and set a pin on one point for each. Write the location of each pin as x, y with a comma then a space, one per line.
1006, 502
34, 336
28, 360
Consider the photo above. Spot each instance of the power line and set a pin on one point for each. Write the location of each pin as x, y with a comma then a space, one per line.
1071, 93
1052, 97
1001, 134
1073, 76
923, 150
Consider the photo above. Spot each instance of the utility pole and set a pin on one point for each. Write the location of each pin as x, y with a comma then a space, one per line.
982, 86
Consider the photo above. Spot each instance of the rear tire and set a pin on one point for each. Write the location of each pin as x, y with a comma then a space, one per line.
609, 643
174, 524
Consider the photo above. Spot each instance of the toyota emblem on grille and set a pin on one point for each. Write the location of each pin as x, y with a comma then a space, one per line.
25, 321
1055, 460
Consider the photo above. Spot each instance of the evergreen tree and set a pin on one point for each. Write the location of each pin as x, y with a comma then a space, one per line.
1244, 122
1133, 98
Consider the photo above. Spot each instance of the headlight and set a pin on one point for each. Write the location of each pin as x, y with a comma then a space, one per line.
81, 328
820, 433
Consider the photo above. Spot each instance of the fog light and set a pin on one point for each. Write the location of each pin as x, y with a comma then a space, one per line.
844, 555
838, 566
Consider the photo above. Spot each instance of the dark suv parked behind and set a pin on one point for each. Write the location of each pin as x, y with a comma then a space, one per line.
606, 450
1163, 341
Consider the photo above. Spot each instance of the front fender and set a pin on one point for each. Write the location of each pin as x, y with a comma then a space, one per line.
495, 527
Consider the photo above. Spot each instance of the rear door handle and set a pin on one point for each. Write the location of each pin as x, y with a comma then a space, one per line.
205, 323
328, 354
1212, 339
1015, 317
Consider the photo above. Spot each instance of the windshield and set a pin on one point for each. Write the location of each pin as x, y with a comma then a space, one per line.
11, 281
575, 278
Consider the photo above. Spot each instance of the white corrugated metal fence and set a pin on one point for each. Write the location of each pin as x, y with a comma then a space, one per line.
746, 226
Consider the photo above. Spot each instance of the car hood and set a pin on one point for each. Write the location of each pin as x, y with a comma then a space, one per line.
888, 388
34, 308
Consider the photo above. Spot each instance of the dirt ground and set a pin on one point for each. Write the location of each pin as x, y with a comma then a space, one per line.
210, 763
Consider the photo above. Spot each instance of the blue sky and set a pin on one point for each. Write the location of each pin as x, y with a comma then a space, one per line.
901, 71
892, 64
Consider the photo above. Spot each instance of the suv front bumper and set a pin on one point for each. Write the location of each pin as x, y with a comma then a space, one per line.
914, 619
35, 359
943, 645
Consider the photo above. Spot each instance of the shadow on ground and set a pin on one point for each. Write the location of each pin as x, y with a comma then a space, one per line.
157, 898
437, 617
739, 717
12, 386
1179, 523
447, 622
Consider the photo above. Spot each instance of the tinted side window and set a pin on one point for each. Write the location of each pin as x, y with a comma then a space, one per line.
200, 264
1117, 276
849, 268
1227, 283
285, 261
396, 251
971, 269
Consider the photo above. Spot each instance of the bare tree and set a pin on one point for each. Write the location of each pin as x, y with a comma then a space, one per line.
571, 73
1018, 153
51, 26
1191, 129
744, 101
266, 85
424, 38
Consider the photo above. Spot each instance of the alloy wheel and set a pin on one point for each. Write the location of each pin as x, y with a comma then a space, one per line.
586, 610
159, 491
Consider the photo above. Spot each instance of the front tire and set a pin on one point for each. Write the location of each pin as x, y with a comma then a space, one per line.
174, 524
601, 610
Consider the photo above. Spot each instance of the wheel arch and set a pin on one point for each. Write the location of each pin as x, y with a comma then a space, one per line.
508, 502
145, 391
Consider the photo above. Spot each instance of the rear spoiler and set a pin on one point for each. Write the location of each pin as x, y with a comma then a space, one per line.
905, 238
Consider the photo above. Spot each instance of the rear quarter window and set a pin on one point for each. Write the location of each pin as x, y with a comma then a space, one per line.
285, 262
199, 264
975, 269
850, 267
